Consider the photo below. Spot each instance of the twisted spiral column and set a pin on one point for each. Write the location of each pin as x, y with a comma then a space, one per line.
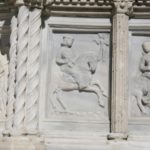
22, 47
31, 106
12, 71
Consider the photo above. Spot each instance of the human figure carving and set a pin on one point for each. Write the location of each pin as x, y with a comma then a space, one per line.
80, 68
145, 60
142, 95
77, 72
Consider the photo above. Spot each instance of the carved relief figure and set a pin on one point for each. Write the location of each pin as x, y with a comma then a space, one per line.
3, 84
78, 70
142, 92
145, 61
103, 42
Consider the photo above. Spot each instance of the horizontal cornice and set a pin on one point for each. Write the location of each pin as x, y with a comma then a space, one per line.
90, 8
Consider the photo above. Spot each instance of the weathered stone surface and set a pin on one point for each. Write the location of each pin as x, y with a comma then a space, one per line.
21, 143
72, 82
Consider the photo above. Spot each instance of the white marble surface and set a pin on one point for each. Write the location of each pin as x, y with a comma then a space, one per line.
62, 75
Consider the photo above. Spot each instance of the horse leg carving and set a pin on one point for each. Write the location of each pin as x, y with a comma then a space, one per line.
101, 93
52, 101
57, 92
93, 88
138, 95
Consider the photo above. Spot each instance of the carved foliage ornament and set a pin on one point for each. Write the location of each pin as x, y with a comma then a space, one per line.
123, 6
34, 3
31, 3
47, 2
118, 6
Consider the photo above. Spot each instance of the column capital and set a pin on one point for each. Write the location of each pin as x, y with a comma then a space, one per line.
34, 3
30, 3
123, 7
14, 2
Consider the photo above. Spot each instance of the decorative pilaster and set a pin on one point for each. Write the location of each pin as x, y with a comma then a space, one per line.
12, 73
24, 109
22, 48
31, 104
119, 103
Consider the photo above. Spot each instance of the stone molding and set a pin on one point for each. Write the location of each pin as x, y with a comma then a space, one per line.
100, 8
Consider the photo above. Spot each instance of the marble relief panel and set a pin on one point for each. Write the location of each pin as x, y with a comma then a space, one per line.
139, 76
78, 76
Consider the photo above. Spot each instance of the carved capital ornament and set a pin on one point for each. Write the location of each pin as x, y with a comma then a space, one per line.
99, 8
34, 3
123, 6
31, 3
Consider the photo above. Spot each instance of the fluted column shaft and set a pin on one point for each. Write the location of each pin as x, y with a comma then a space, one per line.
119, 96
119, 118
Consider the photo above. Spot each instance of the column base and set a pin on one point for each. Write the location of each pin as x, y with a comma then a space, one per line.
117, 136
18, 133
22, 143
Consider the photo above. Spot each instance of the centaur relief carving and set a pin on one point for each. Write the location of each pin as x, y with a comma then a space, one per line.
142, 90
78, 70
